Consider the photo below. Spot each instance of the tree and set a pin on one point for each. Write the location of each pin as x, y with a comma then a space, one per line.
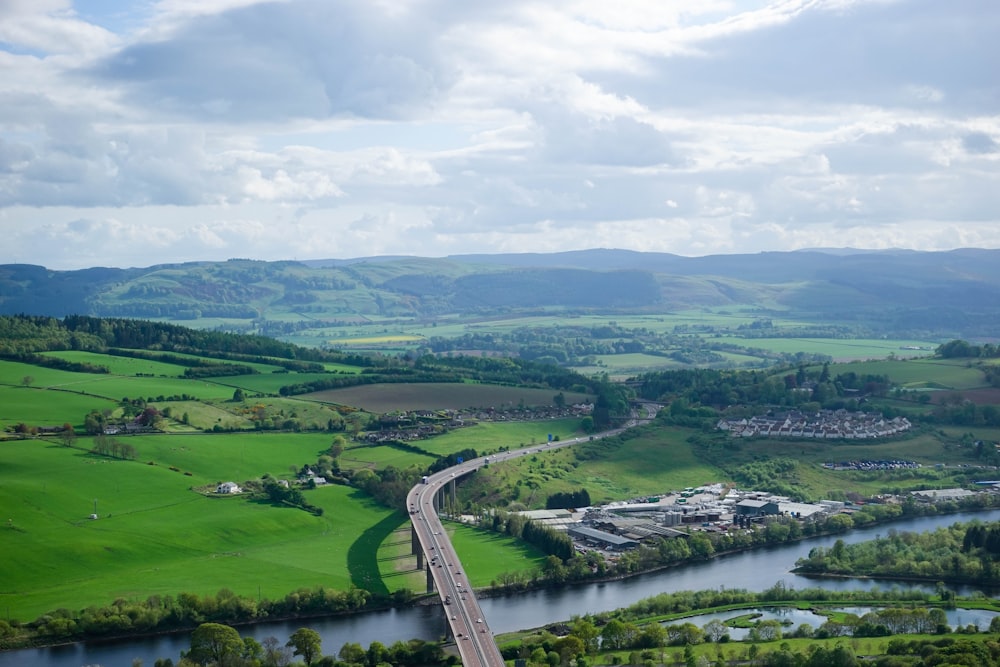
352, 653
614, 635
275, 655
307, 643
588, 633
253, 651
337, 446
215, 643
715, 630
377, 654
27, 381
67, 435
238, 396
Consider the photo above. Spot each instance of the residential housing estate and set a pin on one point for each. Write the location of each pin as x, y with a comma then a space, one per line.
827, 424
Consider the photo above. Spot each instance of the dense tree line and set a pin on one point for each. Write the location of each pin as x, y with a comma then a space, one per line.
966, 413
568, 500
218, 370
20, 334
187, 610
79, 332
809, 388
960, 552
188, 361
452, 459
962, 349
54, 362
219, 645
388, 485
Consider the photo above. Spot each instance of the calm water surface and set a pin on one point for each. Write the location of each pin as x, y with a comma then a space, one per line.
753, 570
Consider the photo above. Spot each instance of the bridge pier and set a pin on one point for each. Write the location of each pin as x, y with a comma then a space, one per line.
430, 580
415, 547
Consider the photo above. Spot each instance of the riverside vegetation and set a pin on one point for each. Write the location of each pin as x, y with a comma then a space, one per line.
960, 553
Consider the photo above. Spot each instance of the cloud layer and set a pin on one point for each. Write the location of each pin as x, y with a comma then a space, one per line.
302, 129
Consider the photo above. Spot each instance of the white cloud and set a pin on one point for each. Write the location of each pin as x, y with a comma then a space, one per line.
307, 128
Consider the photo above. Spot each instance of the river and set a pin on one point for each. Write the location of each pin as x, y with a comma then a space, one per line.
752, 570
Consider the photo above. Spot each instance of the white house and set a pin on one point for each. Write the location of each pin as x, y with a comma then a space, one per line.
228, 487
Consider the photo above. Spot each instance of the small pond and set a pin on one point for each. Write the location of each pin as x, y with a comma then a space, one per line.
791, 618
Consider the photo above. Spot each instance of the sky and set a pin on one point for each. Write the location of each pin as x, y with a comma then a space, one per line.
143, 132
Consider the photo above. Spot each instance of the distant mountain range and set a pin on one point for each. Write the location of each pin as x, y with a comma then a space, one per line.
944, 292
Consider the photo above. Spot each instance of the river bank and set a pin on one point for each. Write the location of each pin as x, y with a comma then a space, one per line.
491, 592
754, 570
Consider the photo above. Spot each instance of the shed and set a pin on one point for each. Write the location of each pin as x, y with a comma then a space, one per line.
757, 508
610, 540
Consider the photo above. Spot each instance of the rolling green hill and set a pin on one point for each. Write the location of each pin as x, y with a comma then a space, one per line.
890, 291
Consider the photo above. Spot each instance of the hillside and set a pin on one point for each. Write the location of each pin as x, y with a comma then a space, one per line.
951, 294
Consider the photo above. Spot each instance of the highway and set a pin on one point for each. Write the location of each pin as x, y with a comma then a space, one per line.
470, 629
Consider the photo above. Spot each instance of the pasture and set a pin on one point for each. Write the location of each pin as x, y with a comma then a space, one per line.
437, 396
489, 436
156, 536
214, 458
120, 365
954, 374
840, 349
47, 407
379, 456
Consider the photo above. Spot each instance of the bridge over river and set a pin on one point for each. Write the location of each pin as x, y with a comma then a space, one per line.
435, 553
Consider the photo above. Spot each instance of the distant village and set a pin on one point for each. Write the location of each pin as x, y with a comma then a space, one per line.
826, 424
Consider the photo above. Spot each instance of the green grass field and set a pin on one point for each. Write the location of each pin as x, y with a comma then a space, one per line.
486, 555
922, 373
45, 407
120, 365
380, 456
155, 536
489, 436
839, 349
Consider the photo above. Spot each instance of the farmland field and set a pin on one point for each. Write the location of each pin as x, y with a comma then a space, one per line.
918, 373
437, 396
488, 436
155, 536
120, 365
45, 407
840, 349
109, 386
381, 456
